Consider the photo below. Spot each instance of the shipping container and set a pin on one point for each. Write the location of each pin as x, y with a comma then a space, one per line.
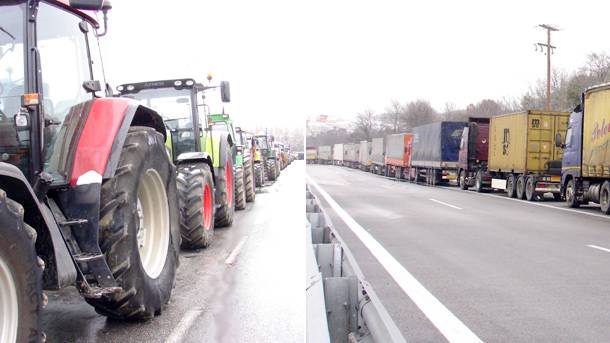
351, 155
311, 155
523, 159
435, 151
585, 173
472, 161
338, 154
365, 155
325, 155
378, 155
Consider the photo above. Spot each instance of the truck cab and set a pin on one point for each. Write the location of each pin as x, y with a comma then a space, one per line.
473, 152
572, 148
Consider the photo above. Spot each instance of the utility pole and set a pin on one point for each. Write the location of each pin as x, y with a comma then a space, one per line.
549, 50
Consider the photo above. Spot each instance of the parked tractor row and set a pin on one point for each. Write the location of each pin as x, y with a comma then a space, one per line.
527, 154
99, 190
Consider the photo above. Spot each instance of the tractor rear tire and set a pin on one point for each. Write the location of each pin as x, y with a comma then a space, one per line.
225, 192
250, 184
259, 176
140, 228
271, 170
240, 189
196, 196
21, 297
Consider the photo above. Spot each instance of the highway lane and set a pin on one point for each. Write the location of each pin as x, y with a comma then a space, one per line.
246, 287
509, 270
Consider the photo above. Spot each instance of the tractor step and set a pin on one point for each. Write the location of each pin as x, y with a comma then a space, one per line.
98, 292
71, 222
87, 257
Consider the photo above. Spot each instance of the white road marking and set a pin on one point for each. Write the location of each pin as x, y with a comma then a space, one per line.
233, 255
446, 322
598, 247
183, 326
446, 204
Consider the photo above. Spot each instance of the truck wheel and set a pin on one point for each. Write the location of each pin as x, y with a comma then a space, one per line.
530, 189
521, 187
21, 297
462, 180
571, 198
250, 184
511, 187
196, 199
225, 193
478, 182
604, 197
240, 189
139, 228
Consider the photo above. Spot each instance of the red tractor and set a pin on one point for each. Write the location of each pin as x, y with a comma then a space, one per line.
87, 188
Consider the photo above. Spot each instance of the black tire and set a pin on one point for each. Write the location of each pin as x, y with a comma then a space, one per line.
18, 256
225, 192
259, 176
196, 199
462, 180
271, 170
520, 187
570, 194
478, 182
604, 197
530, 189
250, 184
511, 186
240, 189
142, 296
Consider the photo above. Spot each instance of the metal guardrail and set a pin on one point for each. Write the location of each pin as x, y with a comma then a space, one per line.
341, 305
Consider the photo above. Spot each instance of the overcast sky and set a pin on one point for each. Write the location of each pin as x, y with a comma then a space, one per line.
287, 60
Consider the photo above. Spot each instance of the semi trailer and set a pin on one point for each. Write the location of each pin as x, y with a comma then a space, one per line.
522, 157
472, 160
351, 155
365, 155
398, 155
325, 154
311, 155
585, 175
378, 156
436, 146
338, 154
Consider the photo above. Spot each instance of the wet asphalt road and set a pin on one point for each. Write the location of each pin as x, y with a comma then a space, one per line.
510, 270
257, 298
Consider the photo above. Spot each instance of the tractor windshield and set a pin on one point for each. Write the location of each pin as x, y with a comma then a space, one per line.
14, 145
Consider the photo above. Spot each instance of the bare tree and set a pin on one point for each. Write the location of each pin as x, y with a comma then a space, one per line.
390, 119
365, 125
419, 112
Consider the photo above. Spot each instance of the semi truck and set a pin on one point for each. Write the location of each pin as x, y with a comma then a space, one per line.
585, 175
325, 154
436, 147
351, 155
378, 155
472, 160
522, 157
338, 154
398, 155
365, 155
311, 155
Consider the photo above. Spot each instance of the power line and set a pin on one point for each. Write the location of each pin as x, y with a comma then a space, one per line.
550, 49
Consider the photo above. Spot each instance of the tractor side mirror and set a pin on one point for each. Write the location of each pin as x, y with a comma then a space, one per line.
225, 91
558, 140
22, 121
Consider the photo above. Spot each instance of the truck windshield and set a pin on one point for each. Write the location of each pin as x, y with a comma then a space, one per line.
172, 104
14, 145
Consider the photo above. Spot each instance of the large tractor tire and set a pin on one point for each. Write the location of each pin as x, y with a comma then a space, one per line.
225, 195
139, 228
196, 196
250, 184
240, 189
271, 170
21, 297
259, 174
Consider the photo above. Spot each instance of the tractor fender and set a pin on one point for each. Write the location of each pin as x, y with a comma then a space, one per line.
50, 245
190, 157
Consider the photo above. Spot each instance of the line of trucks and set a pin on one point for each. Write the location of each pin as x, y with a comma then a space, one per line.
528, 155
100, 190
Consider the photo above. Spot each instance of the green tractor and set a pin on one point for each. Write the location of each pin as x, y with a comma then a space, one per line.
205, 158
245, 188
269, 156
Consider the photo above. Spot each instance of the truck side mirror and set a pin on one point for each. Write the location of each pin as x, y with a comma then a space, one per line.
225, 91
558, 140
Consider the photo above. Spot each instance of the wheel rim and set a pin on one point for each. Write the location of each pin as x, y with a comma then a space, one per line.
604, 198
570, 193
229, 184
207, 207
9, 308
153, 228
511, 186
